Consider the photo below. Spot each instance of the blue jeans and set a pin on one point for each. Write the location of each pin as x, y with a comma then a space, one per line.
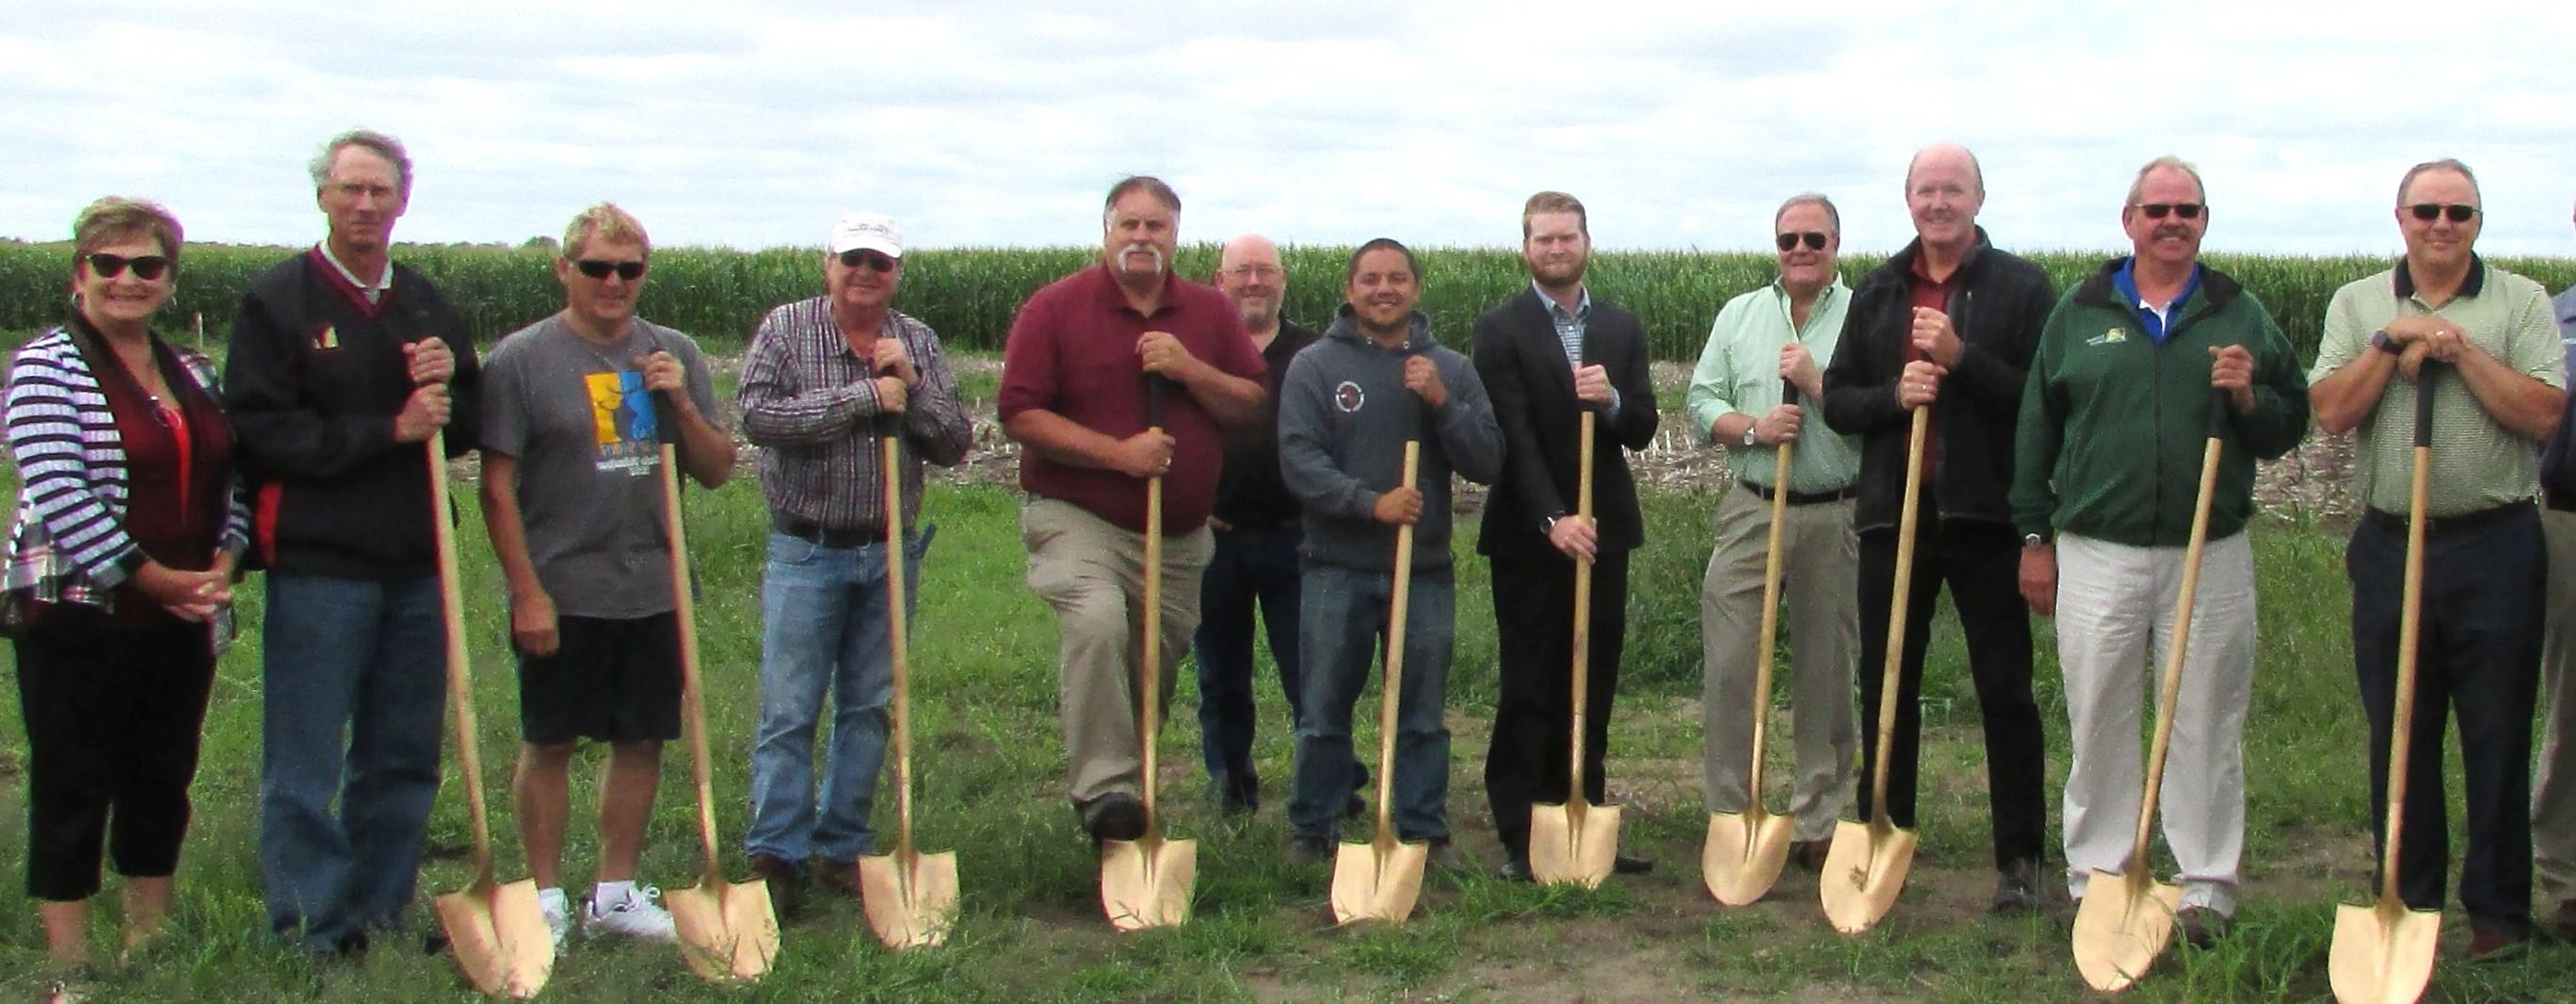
370, 658
1341, 634
1256, 566
824, 622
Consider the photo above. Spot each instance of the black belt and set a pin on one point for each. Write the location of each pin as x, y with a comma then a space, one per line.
2559, 501
2436, 526
1765, 493
829, 536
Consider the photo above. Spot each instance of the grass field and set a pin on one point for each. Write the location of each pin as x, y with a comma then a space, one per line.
991, 775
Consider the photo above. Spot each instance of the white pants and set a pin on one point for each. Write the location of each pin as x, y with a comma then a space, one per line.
2114, 610
2553, 795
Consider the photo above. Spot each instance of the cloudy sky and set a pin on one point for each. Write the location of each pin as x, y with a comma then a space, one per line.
977, 122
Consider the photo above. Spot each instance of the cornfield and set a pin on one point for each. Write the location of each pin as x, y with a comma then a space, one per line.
970, 294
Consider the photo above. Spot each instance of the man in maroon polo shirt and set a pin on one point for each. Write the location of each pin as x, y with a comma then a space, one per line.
1073, 395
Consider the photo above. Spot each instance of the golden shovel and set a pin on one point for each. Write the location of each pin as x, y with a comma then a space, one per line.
1146, 882
2384, 952
1742, 856
1866, 864
727, 930
1380, 879
910, 897
1577, 842
496, 930
2118, 934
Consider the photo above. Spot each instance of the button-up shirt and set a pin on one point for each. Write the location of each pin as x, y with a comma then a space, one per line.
373, 291
810, 404
1570, 328
1739, 371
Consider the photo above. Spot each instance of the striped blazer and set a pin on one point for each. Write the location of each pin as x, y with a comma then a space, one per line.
68, 543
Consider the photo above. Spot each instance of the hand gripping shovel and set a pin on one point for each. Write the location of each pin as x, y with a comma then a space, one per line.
496, 930
1380, 879
911, 897
727, 930
1146, 882
1742, 856
2384, 952
1577, 842
2128, 918
1865, 866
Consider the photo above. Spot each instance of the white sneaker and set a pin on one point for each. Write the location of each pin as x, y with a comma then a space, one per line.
558, 916
639, 916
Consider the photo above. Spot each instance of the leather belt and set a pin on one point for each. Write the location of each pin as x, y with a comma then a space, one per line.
1766, 492
829, 536
2390, 522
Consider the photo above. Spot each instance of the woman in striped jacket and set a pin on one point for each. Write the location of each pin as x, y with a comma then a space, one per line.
119, 573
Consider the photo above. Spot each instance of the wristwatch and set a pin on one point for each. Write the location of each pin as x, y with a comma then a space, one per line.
1548, 524
2032, 541
1748, 434
2379, 340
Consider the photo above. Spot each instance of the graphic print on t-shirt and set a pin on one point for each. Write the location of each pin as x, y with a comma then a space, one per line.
622, 412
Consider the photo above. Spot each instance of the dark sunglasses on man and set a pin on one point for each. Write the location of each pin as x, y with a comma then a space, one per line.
599, 268
1789, 241
874, 261
2427, 211
108, 266
2158, 210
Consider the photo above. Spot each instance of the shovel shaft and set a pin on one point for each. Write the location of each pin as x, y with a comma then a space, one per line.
1769, 639
1390, 692
692, 696
899, 634
1906, 525
1153, 655
460, 674
1582, 668
2169, 690
2410, 623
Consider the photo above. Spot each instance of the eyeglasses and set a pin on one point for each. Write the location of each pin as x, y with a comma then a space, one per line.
1789, 242
108, 266
598, 269
2157, 210
875, 261
2426, 211
1256, 271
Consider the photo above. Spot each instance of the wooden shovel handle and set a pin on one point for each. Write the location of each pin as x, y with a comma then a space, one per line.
692, 695
460, 674
1903, 587
2410, 623
899, 634
1392, 689
1769, 638
2169, 690
1582, 669
1153, 654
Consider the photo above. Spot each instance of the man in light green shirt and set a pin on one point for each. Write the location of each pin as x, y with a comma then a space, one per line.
2488, 341
1783, 332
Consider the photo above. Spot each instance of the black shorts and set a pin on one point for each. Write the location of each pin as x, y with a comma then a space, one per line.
613, 680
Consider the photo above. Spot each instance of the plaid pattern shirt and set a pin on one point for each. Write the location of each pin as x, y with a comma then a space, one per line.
810, 404
1570, 329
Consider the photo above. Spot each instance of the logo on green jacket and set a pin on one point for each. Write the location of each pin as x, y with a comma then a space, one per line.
2112, 337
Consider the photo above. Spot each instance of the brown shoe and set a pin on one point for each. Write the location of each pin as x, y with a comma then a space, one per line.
786, 882
2201, 926
1810, 854
2495, 944
840, 877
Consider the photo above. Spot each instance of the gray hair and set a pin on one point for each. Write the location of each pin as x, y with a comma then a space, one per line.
1145, 183
2444, 164
1832, 215
374, 142
2139, 184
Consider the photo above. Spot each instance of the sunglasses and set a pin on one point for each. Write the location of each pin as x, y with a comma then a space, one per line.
598, 269
1815, 240
108, 266
2427, 211
2157, 210
874, 261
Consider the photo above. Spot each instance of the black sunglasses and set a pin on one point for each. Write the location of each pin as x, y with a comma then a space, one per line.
875, 261
598, 269
108, 266
2157, 210
1815, 240
2458, 213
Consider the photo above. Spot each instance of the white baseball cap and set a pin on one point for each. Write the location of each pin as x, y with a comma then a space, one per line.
872, 231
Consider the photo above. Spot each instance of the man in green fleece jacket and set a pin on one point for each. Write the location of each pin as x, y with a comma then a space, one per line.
2106, 468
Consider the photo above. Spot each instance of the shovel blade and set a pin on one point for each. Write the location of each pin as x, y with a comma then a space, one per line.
728, 933
2122, 926
499, 937
1377, 881
1573, 844
1864, 871
910, 899
1146, 883
2382, 954
1743, 854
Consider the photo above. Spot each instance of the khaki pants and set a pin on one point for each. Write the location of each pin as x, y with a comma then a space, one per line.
1093, 574
1818, 577
2553, 795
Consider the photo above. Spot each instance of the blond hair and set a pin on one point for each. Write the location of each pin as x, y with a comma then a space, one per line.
607, 222
117, 218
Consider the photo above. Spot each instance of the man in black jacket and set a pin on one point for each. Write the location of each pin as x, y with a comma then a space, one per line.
1546, 355
1949, 323
343, 365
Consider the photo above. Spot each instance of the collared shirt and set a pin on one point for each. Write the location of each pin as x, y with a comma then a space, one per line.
375, 291
1570, 328
2477, 463
1739, 371
2155, 317
810, 404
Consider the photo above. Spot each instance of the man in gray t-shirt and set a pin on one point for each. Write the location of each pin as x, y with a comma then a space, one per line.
578, 407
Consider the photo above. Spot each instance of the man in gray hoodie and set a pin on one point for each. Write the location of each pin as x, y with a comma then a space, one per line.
1348, 405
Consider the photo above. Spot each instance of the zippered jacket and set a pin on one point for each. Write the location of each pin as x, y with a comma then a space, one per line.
1344, 416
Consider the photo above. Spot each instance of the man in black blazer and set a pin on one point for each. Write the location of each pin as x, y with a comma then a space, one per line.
1546, 355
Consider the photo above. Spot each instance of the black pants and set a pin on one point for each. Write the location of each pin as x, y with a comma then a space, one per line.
1981, 562
2478, 655
1251, 568
113, 718
1534, 720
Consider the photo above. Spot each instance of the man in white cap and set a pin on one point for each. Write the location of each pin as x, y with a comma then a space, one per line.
823, 381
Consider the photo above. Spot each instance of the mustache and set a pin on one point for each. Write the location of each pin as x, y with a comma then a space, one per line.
1149, 249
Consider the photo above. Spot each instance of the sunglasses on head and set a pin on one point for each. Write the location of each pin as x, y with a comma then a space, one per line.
599, 269
874, 261
108, 266
1815, 240
2157, 210
2427, 211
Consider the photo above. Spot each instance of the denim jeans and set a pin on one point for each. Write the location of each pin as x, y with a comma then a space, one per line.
824, 623
1341, 635
368, 658
1255, 566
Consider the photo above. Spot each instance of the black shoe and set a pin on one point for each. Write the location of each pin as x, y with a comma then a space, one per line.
2201, 926
785, 880
1308, 850
1516, 868
1233, 797
1630, 864
1810, 854
435, 944
1116, 816
2017, 889
1441, 852
2495, 944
